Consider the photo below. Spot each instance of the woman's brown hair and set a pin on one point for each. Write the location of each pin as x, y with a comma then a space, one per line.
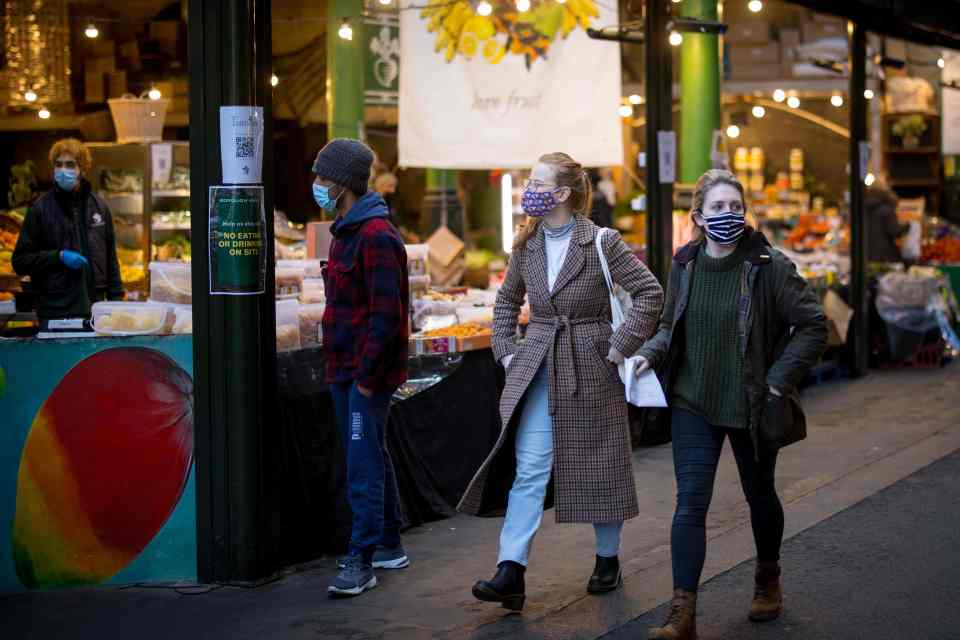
708, 181
569, 174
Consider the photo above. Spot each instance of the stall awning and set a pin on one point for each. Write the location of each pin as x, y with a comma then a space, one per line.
930, 23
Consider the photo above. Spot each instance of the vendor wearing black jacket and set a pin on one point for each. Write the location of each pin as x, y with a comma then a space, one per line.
67, 243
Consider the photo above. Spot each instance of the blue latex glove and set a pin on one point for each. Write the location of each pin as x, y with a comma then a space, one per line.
73, 259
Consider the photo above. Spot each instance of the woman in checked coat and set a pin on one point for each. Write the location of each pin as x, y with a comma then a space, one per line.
563, 410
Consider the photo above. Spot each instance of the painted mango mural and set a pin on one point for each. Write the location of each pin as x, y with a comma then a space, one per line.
103, 484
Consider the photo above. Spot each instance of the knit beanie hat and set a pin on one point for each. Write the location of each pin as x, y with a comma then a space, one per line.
346, 162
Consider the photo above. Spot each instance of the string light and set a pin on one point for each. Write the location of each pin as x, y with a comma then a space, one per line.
625, 111
386, 3
755, 5
484, 8
346, 31
30, 96
635, 99
154, 94
869, 179
676, 39
523, 6
759, 112
868, 94
274, 80
779, 95
793, 102
836, 100
44, 114
91, 31
733, 131
941, 63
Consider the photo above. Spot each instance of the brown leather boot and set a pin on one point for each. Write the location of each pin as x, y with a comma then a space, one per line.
681, 623
767, 593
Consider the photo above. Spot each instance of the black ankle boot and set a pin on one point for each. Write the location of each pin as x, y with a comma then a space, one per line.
606, 575
506, 587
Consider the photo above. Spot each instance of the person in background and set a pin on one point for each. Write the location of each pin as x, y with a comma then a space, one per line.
67, 244
563, 407
386, 185
365, 339
883, 227
601, 202
739, 332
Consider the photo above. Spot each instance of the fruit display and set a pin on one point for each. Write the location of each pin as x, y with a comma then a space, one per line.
946, 250
103, 468
10, 222
465, 330
128, 318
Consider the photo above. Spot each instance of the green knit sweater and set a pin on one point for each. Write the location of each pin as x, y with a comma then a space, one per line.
710, 379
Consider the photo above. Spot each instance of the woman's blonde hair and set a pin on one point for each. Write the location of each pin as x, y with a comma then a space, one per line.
569, 173
709, 180
76, 149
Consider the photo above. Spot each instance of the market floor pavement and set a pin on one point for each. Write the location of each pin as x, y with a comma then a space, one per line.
864, 436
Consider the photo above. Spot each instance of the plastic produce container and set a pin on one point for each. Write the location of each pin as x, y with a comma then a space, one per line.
288, 325
171, 282
129, 318
311, 325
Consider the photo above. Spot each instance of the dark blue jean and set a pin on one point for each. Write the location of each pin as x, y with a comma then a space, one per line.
371, 483
696, 453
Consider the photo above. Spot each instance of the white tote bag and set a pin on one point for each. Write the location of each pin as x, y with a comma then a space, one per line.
644, 391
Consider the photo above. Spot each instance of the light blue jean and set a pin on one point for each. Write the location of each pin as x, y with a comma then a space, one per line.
534, 446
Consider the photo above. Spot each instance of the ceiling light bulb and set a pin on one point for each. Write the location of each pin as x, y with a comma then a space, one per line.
635, 99
941, 63
346, 31
755, 5
30, 96
274, 80
386, 3
869, 179
44, 114
733, 131
759, 112
561, 1
836, 100
779, 95
523, 6
793, 102
154, 94
91, 31
676, 39
625, 111
868, 94
484, 8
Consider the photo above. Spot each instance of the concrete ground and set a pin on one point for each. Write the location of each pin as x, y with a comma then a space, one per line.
864, 436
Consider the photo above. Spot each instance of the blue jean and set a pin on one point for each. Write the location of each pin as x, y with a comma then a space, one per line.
534, 447
696, 453
371, 483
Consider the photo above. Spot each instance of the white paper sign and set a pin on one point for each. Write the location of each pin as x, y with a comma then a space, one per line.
667, 149
644, 391
499, 91
241, 144
864, 159
162, 156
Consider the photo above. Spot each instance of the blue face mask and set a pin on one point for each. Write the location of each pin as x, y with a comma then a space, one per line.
66, 179
321, 195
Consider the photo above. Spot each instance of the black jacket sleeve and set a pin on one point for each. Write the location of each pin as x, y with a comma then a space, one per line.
30, 258
114, 282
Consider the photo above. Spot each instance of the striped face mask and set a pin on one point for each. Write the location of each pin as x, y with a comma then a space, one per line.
725, 228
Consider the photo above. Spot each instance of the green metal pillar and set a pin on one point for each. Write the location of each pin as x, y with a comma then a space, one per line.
233, 336
700, 92
345, 70
441, 203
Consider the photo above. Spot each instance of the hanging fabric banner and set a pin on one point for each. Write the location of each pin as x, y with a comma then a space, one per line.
500, 90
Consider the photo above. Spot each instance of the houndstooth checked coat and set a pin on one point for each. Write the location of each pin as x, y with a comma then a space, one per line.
570, 333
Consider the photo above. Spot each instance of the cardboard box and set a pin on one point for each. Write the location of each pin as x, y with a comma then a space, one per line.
94, 87
765, 71
753, 32
824, 17
743, 54
813, 31
116, 84
179, 104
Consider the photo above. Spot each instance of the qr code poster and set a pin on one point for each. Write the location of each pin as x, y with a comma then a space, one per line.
241, 144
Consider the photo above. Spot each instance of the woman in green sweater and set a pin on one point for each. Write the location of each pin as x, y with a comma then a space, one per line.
739, 331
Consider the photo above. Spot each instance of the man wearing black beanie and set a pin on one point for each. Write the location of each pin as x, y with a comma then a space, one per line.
365, 330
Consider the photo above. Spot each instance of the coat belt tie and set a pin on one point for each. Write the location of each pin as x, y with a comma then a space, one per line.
563, 324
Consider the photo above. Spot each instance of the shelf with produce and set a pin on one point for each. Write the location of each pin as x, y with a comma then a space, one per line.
914, 151
170, 193
171, 226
